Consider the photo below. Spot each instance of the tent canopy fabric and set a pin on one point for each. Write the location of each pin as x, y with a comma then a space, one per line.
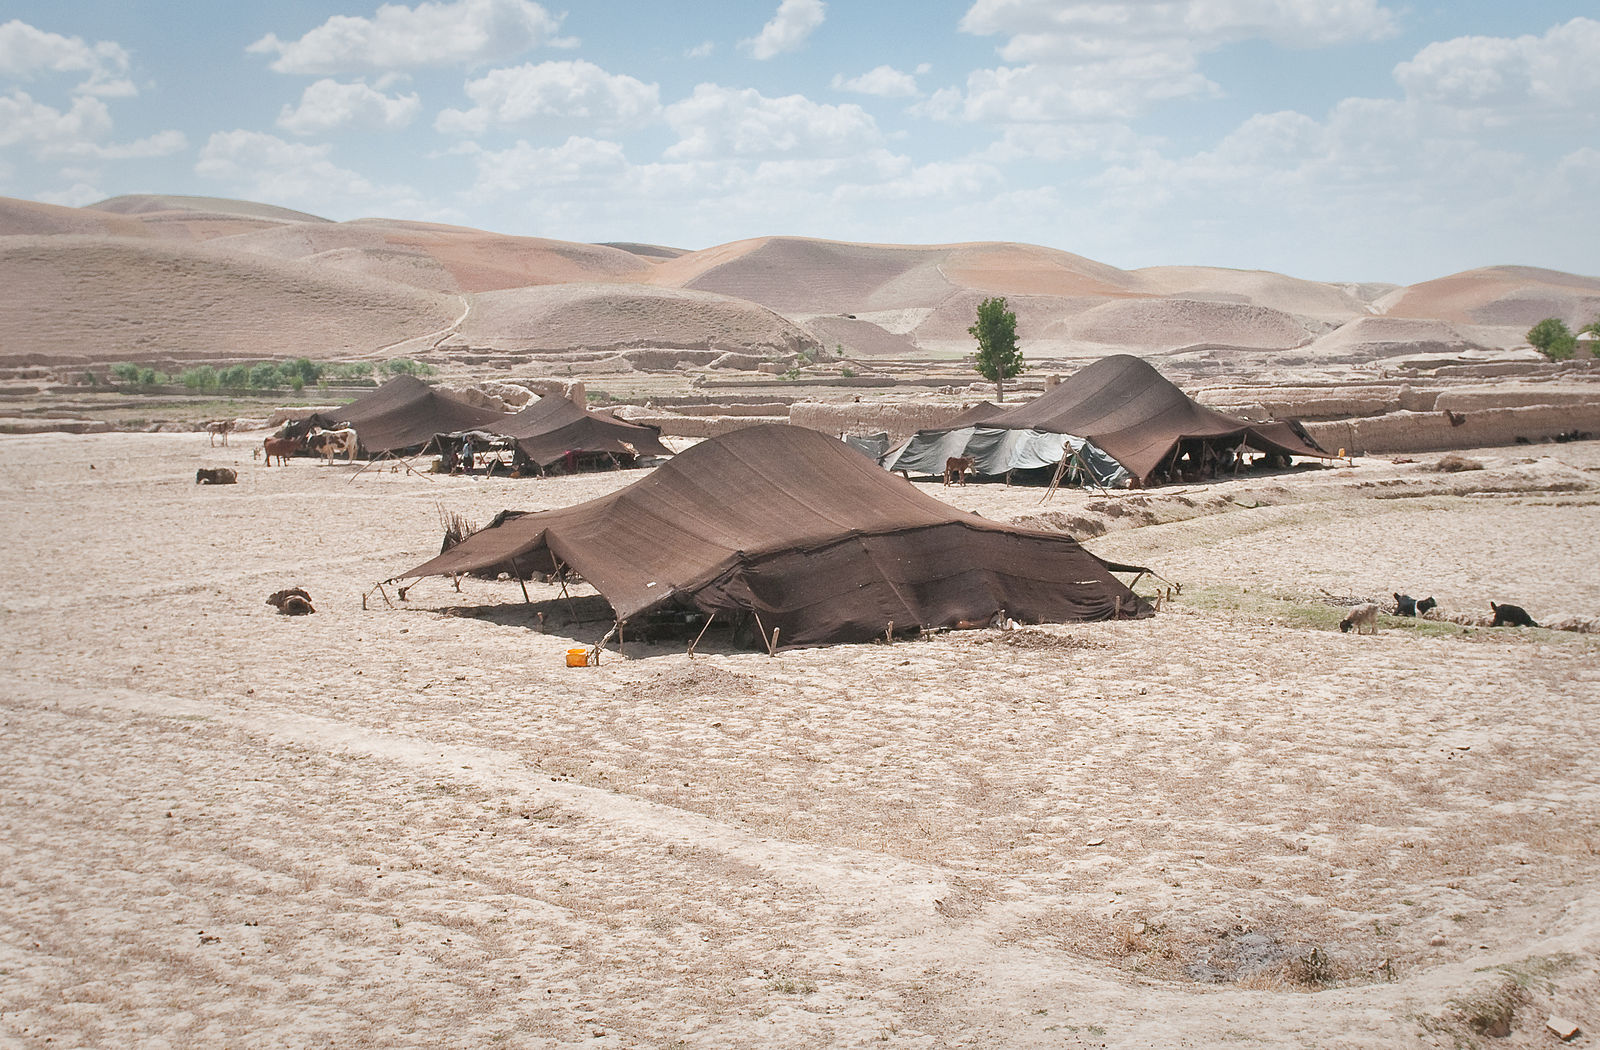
552, 426
1123, 408
406, 413
811, 537
1138, 417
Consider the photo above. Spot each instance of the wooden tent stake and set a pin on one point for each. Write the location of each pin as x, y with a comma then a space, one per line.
772, 649
701, 635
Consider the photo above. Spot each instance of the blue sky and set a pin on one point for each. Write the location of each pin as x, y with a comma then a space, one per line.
1339, 140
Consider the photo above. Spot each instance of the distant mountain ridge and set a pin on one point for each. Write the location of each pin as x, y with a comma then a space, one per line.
191, 277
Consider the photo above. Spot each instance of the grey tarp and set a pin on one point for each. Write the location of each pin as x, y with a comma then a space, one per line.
996, 451
809, 536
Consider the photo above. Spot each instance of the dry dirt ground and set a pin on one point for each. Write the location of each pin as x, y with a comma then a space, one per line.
1228, 825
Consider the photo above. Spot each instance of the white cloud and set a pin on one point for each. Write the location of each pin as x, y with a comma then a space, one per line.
704, 49
26, 51
554, 92
1073, 60
883, 81
579, 163
258, 166
717, 121
74, 196
462, 32
789, 27
1092, 29
1505, 79
25, 122
328, 105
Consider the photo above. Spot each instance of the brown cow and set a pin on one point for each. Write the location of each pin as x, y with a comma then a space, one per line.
283, 448
958, 467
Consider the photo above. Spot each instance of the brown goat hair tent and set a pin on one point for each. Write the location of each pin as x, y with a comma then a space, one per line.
810, 537
406, 413
1138, 417
552, 426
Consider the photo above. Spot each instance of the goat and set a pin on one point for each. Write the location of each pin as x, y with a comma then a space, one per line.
1360, 618
330, 443
957, 467
216, 476
1455, 418
1405, 605
220, 428
292, 601
1510, 616
282, 448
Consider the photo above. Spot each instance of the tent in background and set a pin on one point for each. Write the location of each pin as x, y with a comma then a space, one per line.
794, 529
1127, 410
552, 427
405, 413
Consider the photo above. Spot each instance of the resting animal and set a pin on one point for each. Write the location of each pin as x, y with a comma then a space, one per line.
957, 468
330, 443
292, 601
1361, 618
283, 448
1510, 616
216, 476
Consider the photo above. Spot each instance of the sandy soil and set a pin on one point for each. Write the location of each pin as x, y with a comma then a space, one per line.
1229, 825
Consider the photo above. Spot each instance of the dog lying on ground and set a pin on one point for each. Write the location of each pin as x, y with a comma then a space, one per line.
292, 601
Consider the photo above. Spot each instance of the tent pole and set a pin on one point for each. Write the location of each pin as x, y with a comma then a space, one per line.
561, 578
701, 635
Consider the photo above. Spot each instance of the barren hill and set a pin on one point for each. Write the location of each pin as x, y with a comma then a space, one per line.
190, 276
572, 317
74, 298
1517, 296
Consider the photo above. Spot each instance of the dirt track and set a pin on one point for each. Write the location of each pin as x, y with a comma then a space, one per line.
1229, 825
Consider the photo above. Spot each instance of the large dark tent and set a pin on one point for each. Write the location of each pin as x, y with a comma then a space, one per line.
552, 427
1124, 408
807, 536
406, 413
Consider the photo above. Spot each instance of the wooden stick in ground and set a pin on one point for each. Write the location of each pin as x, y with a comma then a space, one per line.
772, 647
701, 635
594, 653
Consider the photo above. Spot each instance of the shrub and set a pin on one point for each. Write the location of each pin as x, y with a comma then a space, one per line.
203, 377
149, 377
1552, 338
124, 372
234, 377
265, 376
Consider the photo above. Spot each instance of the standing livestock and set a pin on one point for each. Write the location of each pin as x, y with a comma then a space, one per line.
329, 443
283, 448
956, 468
1362, 618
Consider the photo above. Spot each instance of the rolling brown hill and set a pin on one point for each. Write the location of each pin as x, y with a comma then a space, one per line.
187, 277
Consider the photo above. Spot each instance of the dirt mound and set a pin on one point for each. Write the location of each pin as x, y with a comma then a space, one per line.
31, 219
1329, 303
1518, 296
620, 317
103, 299
1171, 324
443, 258
1368, 337
154, 203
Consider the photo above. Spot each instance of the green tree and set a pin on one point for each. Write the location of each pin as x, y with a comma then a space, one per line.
202, 377
264, 376
998, 358
1552, 338
234, 377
